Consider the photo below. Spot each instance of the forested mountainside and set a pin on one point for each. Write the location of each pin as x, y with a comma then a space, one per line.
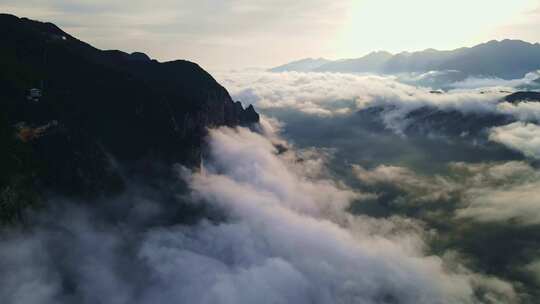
72, 115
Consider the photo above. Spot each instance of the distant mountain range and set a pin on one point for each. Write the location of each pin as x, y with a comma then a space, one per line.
302, 65
507, 59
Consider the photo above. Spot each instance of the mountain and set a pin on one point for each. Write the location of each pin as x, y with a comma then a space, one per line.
303, 65
372, 62
507, 59
75, 119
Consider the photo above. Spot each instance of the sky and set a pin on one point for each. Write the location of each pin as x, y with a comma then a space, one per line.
242, 33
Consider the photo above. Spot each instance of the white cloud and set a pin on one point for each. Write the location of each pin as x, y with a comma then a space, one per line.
476, 82
289, 229
287, 239
419, 188
523, 137
335, 93
524, 111
487, 192
517, 202
502, 192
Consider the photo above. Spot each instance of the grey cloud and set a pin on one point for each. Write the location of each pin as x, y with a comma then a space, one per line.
309, 228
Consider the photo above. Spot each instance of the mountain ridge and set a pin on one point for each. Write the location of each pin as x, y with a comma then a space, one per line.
514, 59
72, 115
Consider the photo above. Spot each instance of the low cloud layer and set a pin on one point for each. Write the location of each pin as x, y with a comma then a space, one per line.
276, 221
530, 80
460, 164
284, 237
453, 79
335, 94
302, 227
519, 136
496, 192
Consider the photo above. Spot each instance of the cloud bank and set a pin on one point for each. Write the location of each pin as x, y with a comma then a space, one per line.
458, 163
284, 236
304, 226
335, 93
338, 95
485, 192
523, 137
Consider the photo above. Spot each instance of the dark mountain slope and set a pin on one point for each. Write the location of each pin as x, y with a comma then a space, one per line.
527, 96
91, 106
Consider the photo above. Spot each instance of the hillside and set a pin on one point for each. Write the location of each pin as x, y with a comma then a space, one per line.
75, 118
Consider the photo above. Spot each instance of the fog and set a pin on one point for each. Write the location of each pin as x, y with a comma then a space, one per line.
461, 160
285, 236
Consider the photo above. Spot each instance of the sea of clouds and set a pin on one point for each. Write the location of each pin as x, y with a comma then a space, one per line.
291, 209
285, 237
340, 94
480, 186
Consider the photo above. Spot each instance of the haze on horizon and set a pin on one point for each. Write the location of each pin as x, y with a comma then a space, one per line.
241, 33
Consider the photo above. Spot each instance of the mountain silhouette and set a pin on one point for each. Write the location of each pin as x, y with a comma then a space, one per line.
506, 59
72, 114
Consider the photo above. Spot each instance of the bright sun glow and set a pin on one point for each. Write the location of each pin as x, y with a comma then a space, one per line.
418, 24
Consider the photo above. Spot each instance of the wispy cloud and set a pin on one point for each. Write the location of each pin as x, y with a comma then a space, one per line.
520, 136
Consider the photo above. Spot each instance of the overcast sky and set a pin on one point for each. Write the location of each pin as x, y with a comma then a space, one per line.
246, 33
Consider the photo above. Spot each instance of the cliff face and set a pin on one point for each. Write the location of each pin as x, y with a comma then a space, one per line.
76, 108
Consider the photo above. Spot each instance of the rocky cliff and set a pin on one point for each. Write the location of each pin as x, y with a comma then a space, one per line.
71, 114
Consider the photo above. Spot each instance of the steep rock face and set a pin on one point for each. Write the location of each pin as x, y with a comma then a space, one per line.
82, 112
